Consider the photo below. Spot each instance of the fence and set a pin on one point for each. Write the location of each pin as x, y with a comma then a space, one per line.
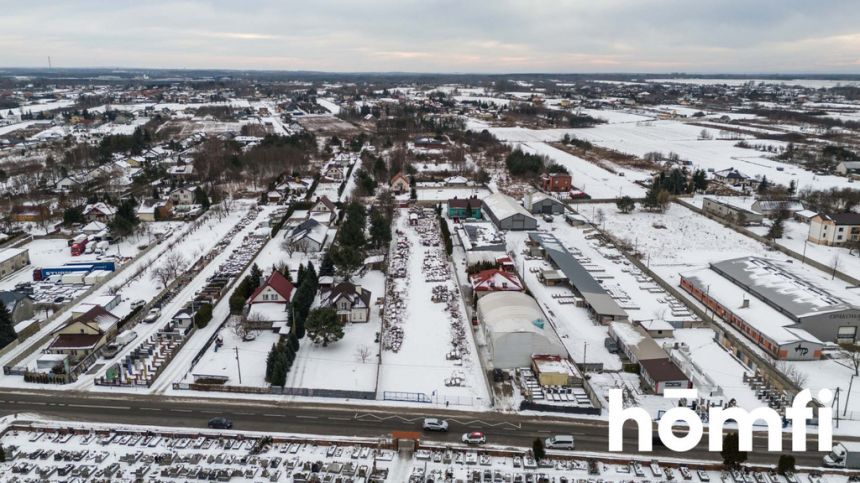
283, 391
532, 406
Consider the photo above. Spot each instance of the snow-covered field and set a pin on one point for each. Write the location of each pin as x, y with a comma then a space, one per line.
687, 241
590, 178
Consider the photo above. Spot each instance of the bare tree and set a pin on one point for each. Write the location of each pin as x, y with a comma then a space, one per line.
852, 352
243, 327
363, 353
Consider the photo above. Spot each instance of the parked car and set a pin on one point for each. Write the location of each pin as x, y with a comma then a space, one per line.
474, 437
110, 351
152, 316
220, 423
137, 303
434, 424
548, 218
559, 441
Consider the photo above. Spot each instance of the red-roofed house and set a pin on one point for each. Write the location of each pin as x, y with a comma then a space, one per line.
276, 289
494, 280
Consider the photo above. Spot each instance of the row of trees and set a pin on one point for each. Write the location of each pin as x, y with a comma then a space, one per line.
244, 290
307, 282
280, 360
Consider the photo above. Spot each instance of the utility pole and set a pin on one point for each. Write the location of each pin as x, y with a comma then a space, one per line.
238, 367
584, 352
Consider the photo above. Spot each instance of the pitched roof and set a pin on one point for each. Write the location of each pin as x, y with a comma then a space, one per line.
278, 282
75, 341
849, 218
327, 202
10, 298
473, 202
485, 280
348, 290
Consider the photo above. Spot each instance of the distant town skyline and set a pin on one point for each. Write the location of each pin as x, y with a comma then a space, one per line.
514, 36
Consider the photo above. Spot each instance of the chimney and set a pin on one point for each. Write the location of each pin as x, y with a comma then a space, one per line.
746, 303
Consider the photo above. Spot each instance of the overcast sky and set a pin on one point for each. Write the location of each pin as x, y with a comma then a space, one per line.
708, 36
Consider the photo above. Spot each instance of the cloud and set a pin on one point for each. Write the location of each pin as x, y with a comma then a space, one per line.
438, 35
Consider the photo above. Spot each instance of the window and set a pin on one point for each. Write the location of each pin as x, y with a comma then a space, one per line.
846, 334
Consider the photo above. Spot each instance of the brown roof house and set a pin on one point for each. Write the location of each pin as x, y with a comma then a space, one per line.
351, 302
84, 334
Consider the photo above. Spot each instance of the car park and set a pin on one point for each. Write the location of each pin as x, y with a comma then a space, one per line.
474, 437
434, 424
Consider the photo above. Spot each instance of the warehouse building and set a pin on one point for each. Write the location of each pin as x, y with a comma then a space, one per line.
507, 214
12, 260
516, 330
604, 308
539, 203
656, 370
731, 213
779, 311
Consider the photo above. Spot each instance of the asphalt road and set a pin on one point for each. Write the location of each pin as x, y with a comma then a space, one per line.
342, 420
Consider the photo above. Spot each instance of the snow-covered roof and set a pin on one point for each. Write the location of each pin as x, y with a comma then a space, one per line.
511, 312
503, 206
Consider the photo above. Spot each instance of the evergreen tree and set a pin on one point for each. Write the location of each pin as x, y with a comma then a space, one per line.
763, 185
323, 326
201, 198
327, 266
270, 361
7, 327
731, 453
625, 204
786, 464
538, 449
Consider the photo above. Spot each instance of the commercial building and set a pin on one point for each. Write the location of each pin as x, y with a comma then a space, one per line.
595, 297
464, 208
732, 213
507, 214
516, 330
657, 371
12, 260
778, 310
539, 203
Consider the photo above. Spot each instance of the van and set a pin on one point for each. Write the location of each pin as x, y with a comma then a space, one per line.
559, 441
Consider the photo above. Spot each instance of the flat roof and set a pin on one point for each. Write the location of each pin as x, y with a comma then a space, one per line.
592, 291
774, 284
770, 322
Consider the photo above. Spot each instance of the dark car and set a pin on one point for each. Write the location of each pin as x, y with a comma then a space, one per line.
220, 423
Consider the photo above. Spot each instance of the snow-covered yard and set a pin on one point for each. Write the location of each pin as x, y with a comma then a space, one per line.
420, 366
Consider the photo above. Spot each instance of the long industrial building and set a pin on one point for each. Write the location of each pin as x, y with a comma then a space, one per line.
783, 313
596, 298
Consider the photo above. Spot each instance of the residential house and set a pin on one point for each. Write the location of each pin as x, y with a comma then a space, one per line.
849, 168
101, 212
19, 305
84, 334
494, 280
153, 210
399, 183
181, 172
556, 182
464, 208
351, 302
733, 177
67, 184
334, 172
323, 210
276, 289
836, 230
309, 236
182, 196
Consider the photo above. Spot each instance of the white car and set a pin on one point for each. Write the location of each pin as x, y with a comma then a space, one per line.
152, 316
434, 424
474, 437
560, 441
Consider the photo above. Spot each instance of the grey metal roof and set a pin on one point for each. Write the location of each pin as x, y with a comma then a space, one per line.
783, 290
592, 291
